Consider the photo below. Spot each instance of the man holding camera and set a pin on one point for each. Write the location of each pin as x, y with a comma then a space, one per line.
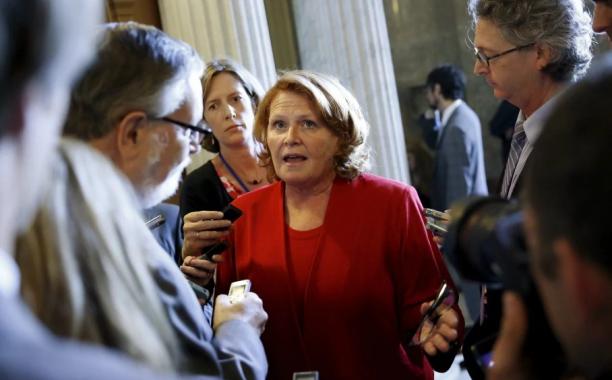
528, 52
566, 211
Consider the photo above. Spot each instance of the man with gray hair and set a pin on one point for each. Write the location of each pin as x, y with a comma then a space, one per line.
528, 51
140, 104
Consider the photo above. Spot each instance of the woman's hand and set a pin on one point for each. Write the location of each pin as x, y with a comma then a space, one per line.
441, 336
200, 271
202, 229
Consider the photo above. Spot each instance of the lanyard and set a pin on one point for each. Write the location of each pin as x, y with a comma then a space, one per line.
244, 187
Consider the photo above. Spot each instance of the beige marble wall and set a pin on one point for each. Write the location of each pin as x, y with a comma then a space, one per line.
282, 34
235, 29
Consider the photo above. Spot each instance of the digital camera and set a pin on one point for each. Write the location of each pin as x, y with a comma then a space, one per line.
485, 242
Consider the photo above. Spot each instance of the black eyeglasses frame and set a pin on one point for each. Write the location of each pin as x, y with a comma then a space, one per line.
481, 57
201, 131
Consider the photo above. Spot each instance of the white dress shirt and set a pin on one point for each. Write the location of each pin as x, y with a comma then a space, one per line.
533, 127
446, 114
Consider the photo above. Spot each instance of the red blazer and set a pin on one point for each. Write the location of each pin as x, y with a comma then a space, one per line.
375, 264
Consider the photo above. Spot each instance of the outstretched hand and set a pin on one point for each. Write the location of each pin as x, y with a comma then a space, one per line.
249, 310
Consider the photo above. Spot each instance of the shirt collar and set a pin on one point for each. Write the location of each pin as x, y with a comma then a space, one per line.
533, 124
449, 111
9, 275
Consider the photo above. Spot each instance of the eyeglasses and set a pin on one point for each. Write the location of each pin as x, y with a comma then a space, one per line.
196, 133
484, 59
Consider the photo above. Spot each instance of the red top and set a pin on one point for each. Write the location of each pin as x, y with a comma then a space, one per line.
373, 267
300, 255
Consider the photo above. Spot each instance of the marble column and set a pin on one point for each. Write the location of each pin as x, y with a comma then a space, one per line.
348, 39
235, 29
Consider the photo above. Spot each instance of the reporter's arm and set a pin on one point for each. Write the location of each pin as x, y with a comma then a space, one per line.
237, 329
507, 357
235, 353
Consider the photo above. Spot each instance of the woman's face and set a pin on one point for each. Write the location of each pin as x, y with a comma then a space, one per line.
228, 110
301, 145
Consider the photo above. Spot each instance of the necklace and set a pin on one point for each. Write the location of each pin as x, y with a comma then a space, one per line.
237, 177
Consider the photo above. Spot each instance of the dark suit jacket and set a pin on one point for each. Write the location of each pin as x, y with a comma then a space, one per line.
502, 125
169, 235
459, 165
516, 191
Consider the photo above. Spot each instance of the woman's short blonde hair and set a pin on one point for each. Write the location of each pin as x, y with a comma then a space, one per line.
249, 82
337, 107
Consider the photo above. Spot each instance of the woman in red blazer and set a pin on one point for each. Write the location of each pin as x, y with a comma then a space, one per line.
341, 259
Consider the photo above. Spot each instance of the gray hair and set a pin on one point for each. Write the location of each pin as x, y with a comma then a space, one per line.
138, 67
47, 42
84, 261
563, 25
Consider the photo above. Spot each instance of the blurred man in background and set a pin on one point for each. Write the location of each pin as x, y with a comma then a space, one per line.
459, 164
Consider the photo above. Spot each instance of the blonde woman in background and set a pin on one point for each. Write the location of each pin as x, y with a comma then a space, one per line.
231, 97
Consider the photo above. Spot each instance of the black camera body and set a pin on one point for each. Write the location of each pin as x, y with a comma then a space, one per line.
485, 242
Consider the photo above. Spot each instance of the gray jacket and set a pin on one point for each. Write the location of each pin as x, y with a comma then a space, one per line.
459, 169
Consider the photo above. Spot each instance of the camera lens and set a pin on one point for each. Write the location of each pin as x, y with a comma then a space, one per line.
479, 235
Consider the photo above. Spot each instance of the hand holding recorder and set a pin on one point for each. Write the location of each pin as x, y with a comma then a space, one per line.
438, 328
203, 229
241, 304
204, 243
437, 221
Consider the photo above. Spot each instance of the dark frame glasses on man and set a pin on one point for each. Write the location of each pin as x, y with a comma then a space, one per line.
197, 133
482, 58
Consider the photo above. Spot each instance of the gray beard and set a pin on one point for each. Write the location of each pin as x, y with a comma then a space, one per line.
152, 194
